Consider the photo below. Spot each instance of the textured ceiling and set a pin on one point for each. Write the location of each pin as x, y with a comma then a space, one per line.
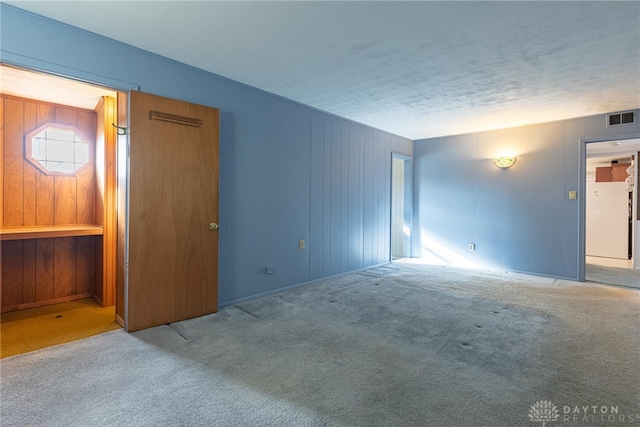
417, 69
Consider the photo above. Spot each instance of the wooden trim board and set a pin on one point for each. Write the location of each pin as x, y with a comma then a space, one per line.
44, 303
44, 232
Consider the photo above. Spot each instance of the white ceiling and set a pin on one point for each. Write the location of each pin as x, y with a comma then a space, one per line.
417, 69
51, 88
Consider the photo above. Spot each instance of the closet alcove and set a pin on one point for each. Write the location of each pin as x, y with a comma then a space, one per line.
57, 225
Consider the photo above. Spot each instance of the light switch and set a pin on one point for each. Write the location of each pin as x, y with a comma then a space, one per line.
301, 244
573, 195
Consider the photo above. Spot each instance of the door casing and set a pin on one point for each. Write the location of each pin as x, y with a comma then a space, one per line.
582, 193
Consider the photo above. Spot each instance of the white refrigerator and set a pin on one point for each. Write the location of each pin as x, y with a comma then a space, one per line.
607, 220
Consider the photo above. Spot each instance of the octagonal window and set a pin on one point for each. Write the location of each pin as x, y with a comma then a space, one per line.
57, 149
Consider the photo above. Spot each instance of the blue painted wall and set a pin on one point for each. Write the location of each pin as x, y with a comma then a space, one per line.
520, 218
287, 172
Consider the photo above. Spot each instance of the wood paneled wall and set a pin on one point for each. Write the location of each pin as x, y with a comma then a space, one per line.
38, 270
121, 204
45, 271
104, 291
30, 196
350, 214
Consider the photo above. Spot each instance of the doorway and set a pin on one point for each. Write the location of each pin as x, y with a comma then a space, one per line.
611, 212
401, 206
57, 206
179, 185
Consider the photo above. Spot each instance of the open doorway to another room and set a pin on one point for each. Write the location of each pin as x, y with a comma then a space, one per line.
611, 213
58, 209
401, 207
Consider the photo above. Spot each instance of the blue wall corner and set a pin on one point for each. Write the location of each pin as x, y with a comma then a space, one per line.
287, 172
519, 218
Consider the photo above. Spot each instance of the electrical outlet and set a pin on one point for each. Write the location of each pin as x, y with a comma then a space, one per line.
268, 269
301, 244
472, 246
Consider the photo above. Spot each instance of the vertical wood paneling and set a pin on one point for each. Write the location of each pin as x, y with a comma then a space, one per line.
383, 230
351, 192
100, 275
344, 197
86, 177
107, 252
65, 189
29, 278
368, 171
336, 165
36, 271
45, 113
13, 163
29, 172
65, 200
44, 183
101, 164
380, 231
354, 196
66, 116
44, 269
375, 182
378, 200
2, 127
45, 207
363, 137
316, 183
64, 273
121, 164
100, 215
85, 195
12, 272
85, 264
86, 123
326, 198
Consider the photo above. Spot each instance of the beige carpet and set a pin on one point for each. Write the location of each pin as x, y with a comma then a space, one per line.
399, 345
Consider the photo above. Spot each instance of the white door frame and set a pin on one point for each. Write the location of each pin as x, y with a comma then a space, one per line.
408, 204
582, 193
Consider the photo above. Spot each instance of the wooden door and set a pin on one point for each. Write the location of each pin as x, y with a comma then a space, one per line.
173, 198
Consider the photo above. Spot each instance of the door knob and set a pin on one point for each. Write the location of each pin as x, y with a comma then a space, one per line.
213, 226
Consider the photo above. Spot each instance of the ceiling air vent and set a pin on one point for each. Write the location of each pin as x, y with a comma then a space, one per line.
616, 119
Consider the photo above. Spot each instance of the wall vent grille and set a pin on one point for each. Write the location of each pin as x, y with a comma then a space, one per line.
623, 118
173, 118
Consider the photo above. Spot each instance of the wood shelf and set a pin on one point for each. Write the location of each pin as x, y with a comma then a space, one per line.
49, 231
